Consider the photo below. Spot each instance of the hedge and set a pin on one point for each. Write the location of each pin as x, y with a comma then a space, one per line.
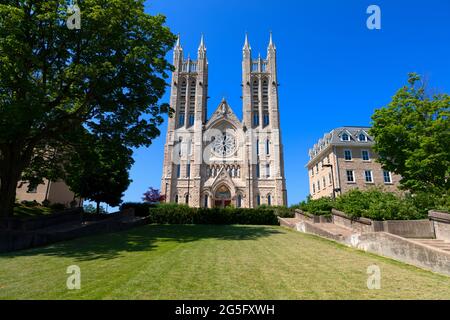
379, 205
180, 214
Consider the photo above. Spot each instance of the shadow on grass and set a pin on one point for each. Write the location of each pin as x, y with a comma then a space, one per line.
147, 238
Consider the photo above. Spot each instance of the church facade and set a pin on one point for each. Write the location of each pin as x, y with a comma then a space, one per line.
224, 161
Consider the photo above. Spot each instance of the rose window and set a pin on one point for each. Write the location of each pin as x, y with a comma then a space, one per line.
224, 145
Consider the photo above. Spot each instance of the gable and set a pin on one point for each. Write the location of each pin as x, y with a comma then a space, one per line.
224, 113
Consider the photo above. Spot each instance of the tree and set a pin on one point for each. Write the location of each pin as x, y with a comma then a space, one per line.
153, 196
93, 210
412, 136
99, 171
106, 77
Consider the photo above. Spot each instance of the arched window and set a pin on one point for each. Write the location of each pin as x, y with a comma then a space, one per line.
182, 112
267, 147
265, 102
239, 201
258, 200
178, 171
205, 203
187, 199
257, 147
189, 146
176, 198
192, 103
223, 193
255, 102
269, 200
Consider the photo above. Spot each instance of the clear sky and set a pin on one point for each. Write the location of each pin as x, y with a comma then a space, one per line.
333, 70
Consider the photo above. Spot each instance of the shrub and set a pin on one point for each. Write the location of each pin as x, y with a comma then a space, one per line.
56, 207
378, 205
140, 209
30, 204
317, 207
181, 214
284, 212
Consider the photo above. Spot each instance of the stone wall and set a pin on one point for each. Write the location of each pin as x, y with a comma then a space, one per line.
404, 250
414, 229
441, 224
302, 215
360, 225
13, 240
46, 221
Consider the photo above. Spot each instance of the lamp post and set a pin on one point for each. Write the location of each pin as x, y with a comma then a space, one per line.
332, 178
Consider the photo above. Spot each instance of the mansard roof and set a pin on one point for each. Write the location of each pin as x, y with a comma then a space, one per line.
224, 113
333, 138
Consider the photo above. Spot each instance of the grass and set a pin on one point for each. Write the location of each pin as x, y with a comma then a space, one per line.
210, 262
23, 211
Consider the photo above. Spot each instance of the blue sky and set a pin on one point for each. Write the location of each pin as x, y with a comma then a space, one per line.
333, 71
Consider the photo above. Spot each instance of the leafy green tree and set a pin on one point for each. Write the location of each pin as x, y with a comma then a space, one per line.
106, 77
93, 210
99, 171
412, 136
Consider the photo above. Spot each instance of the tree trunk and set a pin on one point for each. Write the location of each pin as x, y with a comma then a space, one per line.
8, 185
11, 167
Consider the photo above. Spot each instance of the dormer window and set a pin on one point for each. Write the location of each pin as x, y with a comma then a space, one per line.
362, 137
345, 137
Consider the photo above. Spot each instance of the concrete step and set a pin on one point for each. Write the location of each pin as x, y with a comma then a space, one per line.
438, 244
335, 229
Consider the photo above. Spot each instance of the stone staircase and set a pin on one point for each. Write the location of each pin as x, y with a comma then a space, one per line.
335, 229
407, 243
438, 244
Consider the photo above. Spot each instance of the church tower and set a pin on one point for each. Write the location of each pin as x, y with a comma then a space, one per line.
261, 121
182, 156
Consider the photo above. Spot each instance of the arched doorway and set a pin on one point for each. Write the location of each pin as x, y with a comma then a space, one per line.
222, 197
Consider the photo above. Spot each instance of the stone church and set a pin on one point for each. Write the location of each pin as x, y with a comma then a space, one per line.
223, 161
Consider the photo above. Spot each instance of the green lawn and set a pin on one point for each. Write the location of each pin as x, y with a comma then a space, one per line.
210, 262
22, 211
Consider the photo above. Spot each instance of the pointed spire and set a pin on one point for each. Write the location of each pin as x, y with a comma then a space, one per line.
178, 44
271, 45
202, 44
247, 44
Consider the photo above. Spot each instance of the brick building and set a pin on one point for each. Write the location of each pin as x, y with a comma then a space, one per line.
346, 156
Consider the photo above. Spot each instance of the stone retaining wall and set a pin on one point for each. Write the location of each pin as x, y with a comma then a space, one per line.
414, 229
360, 225
306, 216
30, 224
441, 224
404, 250
13, 240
